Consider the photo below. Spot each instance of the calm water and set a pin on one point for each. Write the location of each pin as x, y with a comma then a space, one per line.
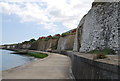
12, 60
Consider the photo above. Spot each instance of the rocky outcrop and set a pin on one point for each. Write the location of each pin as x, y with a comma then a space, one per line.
99, 28
66, 43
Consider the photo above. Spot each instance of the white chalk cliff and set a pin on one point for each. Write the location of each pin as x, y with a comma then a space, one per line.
99, 28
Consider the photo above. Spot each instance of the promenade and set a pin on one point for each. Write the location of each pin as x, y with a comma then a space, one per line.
55, 66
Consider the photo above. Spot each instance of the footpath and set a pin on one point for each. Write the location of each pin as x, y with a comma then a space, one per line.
55, 66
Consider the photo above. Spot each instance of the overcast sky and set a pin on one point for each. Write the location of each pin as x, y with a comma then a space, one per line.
25, 19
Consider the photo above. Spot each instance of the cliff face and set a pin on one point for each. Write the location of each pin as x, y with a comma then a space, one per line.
34, 45
62, 43
99, 28
77, 40
52, 44
46, 45
17, 46
66, 43
43, 45
26, 46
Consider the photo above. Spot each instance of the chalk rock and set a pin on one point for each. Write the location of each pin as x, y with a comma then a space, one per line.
99, 28
66, 43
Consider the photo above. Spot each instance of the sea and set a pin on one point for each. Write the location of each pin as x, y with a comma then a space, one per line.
8, 60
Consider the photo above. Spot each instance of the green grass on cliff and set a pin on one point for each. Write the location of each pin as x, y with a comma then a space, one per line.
65, 34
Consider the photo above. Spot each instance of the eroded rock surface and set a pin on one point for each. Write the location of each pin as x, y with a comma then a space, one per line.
66, 43
99, 28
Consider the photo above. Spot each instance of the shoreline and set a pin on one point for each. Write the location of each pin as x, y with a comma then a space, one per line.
24, 65
45, 68
33, 60
21, 65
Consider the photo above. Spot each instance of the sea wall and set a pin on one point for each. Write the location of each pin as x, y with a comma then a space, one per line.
84, 67
99, 28
66, 43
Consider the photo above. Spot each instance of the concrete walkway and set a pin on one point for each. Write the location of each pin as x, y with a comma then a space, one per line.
55, 66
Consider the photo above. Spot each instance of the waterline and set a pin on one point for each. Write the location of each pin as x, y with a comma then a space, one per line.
12, 60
